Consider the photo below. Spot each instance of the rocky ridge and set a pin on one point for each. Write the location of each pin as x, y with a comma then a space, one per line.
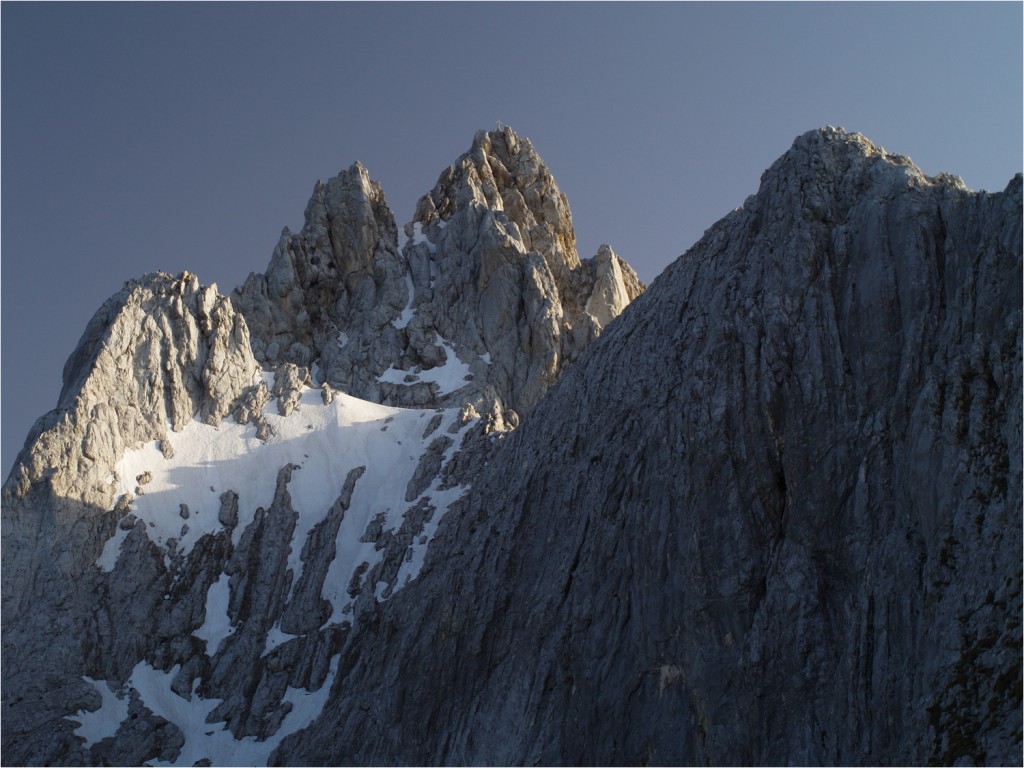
237, 599
772, 516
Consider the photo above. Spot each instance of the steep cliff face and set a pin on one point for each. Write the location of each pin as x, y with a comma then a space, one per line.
771, 516
190, 536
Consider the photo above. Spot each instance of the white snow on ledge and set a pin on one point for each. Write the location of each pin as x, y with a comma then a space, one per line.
402, 321
324, 441
419, 236
211, 741
450, 377
98, 725
217, 625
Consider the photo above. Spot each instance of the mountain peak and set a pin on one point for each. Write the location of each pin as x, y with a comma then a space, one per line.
466, 323
833, 152
782, 489
381, 315
159, 353
503, 172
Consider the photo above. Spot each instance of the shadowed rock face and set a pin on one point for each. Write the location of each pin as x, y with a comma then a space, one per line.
772, 516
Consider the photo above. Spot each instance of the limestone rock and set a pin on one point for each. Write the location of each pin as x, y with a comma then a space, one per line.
289, 379
259, 587
250, 405
772, 516
485, 285
428, 467
228, 513
307, 611
331, 292
142, 738
340, 303
496, 272
164, 350
161, 351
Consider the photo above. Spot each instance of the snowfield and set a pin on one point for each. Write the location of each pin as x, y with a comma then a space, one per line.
202, 739
324, 441
178, 498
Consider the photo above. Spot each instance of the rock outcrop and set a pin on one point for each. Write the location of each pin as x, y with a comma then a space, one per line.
772, 516
160, 353
331, 292
483, 298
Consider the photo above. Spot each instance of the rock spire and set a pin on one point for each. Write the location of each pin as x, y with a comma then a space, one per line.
481, 299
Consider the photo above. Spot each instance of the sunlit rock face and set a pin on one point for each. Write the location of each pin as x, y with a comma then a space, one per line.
227, 485
481, 299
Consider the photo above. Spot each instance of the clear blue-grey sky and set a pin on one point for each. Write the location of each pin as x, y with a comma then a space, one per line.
138, 137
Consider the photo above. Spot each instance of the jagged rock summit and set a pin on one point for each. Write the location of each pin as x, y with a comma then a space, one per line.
770, 515
482, 298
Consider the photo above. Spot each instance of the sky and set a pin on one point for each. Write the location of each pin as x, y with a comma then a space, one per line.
185, 136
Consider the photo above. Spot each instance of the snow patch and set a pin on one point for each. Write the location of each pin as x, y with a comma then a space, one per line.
402, 321
325, 442
276, 638
212, 741
217, 624
419, 236
449, 377
104, 722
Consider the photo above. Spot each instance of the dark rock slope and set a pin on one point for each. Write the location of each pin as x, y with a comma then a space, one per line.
772, 516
